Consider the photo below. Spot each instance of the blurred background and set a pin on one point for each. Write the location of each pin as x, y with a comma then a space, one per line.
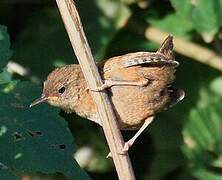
184, 142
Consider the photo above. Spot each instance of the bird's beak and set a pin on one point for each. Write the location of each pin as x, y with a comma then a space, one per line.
42, 99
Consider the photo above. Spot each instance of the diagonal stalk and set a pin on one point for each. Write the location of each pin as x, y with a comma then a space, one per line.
83, 53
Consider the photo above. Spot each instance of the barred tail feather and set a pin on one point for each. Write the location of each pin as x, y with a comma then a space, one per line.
149, 60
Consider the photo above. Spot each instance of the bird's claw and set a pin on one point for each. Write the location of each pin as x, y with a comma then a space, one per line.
104, 86
109, 155
125, 149
127, 145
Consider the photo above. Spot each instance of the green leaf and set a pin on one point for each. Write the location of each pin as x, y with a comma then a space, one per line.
5, 52
216, 86
202, 136
7, 84
204, 18
182, 7
174, 24
204, 15
202, 174
35, 139
5, 77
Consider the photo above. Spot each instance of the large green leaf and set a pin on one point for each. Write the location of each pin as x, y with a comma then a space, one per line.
35, 139
5, 52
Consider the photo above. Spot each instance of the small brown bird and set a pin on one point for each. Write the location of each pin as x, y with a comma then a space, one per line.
139, 86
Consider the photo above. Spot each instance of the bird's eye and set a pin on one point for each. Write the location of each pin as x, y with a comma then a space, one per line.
62, 90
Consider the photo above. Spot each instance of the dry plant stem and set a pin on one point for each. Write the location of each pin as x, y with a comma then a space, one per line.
82, 50
187, 48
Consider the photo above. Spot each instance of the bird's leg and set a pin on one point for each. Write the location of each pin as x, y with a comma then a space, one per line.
129, 143
109, 83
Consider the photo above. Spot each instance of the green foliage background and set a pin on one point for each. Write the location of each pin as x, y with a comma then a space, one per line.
184, 142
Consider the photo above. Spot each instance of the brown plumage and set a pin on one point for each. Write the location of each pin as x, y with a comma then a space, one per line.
140, 86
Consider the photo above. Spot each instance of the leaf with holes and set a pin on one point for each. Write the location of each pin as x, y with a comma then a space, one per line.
35, 139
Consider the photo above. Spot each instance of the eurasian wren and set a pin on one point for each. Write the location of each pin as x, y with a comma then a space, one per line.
139, 86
